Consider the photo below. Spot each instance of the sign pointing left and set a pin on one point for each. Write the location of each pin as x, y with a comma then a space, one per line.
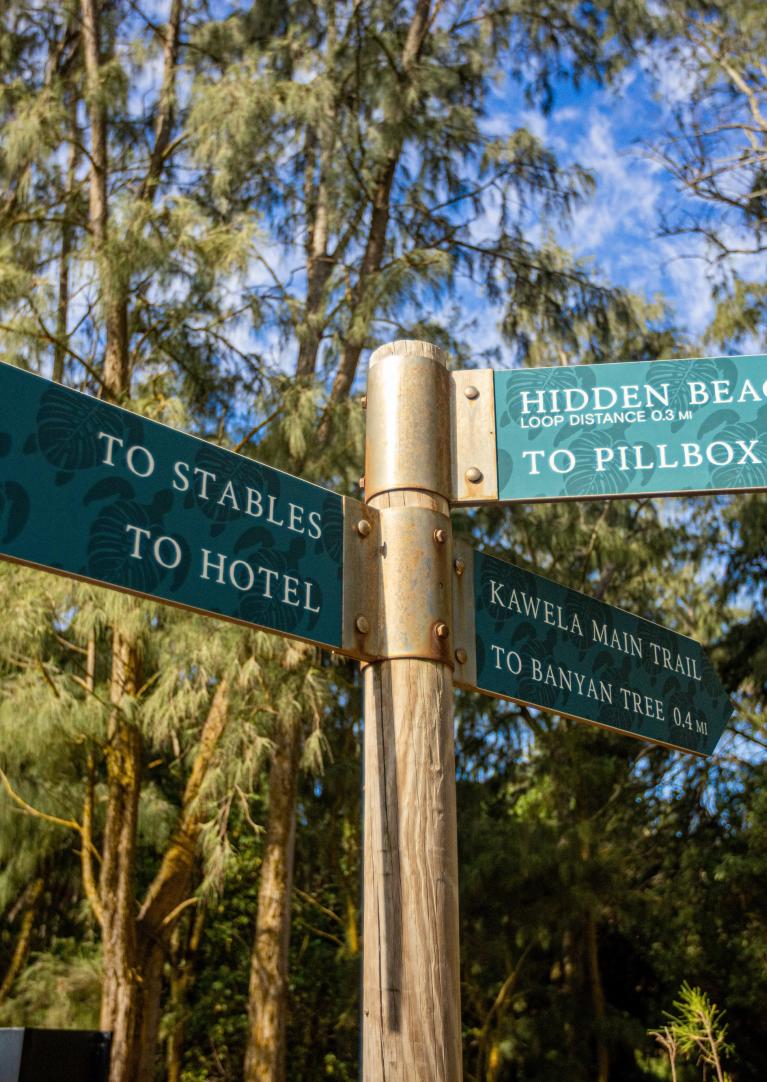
95, 492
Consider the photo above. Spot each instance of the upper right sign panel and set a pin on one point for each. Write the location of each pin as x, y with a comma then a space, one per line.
644, 428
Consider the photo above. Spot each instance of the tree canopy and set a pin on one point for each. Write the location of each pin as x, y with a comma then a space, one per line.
211, 213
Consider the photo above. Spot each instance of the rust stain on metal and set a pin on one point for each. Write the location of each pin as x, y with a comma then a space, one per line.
401, 420
465, 674
362, 544
415, 587
474, 468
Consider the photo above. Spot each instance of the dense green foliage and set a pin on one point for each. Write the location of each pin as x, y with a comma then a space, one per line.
287, 186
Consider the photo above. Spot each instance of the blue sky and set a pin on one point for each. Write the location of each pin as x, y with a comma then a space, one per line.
609, 132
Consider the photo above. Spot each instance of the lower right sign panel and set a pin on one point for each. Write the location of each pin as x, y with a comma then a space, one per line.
556, 649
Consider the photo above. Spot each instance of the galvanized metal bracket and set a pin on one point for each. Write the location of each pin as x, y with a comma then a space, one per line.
361, 564
397, 588
414, 572
473, 451
405, 380
465, 643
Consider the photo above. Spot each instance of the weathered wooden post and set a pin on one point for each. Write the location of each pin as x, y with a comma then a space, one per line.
411, 991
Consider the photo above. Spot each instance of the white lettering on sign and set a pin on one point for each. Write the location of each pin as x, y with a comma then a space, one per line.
217, 567
526, 605
689, 455
678, 663
205, 485
644, 706
265, 581
601, 399
168, 546
138, 459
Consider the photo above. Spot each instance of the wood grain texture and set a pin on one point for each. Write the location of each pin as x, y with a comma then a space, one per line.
411, 990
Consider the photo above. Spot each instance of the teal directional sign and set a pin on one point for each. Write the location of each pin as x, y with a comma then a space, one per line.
559, 650
635, 429
99, 493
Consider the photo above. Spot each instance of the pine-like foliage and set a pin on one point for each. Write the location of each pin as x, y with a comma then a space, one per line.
211, 213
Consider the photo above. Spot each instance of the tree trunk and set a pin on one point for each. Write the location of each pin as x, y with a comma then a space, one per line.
120, 989
362, 311
62, 305
119, 1000
133, 949
182, 978
116, 377
597, 999
150, 1010
167, 102
267, 1005
371, 265
22, 942
170, 890
319, 146
570, 970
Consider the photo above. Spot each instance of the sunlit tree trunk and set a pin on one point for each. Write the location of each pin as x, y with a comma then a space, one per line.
21, 947
181, 980
267, 1007
120, 989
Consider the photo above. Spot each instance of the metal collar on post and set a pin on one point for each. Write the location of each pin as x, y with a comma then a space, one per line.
407, 477
407, 442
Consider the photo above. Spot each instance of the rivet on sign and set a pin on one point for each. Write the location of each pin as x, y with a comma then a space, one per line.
461, 656
364, 401
442, 631
363, 625
440, 536
364, 527
471, 392
473, 474
459, 566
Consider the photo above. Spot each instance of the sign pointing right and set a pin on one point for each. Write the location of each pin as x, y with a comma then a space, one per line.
595, 431
536, 642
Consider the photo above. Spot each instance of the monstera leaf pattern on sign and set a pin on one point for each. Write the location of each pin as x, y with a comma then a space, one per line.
690, 405
257, 548
68, 429
534, 381
14, 510
505, 471
111, 545
333, 529
243, 473
511, 435
64, 507
742, 472
600, 667
677, 375
584, 479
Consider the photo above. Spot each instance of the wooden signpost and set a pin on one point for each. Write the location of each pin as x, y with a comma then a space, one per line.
96, 492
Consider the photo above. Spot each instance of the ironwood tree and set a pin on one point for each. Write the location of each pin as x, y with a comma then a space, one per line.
211, 215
